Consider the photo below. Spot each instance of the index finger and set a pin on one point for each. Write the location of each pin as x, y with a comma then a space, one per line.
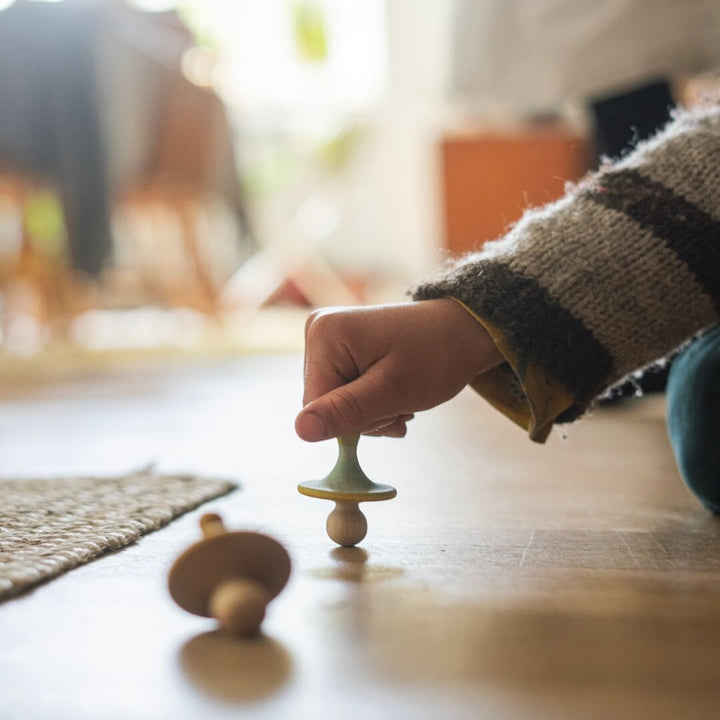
328, 361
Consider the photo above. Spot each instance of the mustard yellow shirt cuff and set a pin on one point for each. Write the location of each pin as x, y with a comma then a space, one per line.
519, 389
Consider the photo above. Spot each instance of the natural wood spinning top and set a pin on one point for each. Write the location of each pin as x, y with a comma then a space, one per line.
347, 485
231, 576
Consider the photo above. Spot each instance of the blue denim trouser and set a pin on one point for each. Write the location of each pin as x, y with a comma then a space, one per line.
693, 417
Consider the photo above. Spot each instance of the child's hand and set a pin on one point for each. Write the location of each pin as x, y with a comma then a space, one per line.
368, 369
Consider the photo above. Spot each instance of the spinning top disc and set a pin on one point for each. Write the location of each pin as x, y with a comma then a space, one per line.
233, 555
347, 481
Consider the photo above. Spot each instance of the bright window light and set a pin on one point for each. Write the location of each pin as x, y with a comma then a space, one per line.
296, 55
153, 5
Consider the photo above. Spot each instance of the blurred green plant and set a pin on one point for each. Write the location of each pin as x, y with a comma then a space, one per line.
286, 163
279, 168
310, 31
45, 222
200, 25
335, 151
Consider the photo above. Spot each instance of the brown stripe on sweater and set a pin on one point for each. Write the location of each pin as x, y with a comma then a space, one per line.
559, 342
686, 229
625, 284
687, 158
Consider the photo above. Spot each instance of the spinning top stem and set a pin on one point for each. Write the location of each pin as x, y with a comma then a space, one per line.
347, 485
211, 525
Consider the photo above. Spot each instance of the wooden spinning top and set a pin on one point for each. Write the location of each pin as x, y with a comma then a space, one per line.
231, 576
347, 485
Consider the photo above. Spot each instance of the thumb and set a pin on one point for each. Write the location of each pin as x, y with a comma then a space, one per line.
347, 409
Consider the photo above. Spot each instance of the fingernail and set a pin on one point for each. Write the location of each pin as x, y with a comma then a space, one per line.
311, 427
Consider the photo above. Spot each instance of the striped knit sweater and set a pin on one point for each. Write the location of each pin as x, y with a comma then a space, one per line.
614, 276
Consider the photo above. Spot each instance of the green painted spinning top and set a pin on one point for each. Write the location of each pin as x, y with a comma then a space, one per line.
347, 485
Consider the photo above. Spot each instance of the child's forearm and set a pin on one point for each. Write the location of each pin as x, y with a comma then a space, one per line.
620, 272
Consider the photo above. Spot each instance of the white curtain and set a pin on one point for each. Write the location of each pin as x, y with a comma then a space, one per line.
530, 56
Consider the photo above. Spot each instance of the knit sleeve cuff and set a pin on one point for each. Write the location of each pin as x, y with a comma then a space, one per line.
520, 390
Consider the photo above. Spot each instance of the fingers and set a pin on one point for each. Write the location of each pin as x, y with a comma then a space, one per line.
385, 422
355, 407
311, 427
309, 424
328, 361
395, 429
366, 367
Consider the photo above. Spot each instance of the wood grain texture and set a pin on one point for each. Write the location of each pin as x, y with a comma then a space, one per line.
506, 580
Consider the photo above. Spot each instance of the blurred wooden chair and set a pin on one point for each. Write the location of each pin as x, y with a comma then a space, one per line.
35, 281
180, 222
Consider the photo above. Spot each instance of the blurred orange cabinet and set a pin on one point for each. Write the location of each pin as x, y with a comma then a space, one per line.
490, 177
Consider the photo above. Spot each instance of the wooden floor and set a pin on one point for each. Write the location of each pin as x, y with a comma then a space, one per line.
506, 580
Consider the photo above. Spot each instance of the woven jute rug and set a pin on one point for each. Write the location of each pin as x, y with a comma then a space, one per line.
48, 526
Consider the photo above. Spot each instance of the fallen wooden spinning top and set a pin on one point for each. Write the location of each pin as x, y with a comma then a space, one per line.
231, 576
347, 485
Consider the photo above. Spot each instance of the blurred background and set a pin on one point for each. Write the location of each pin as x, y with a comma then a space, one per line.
190, 177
